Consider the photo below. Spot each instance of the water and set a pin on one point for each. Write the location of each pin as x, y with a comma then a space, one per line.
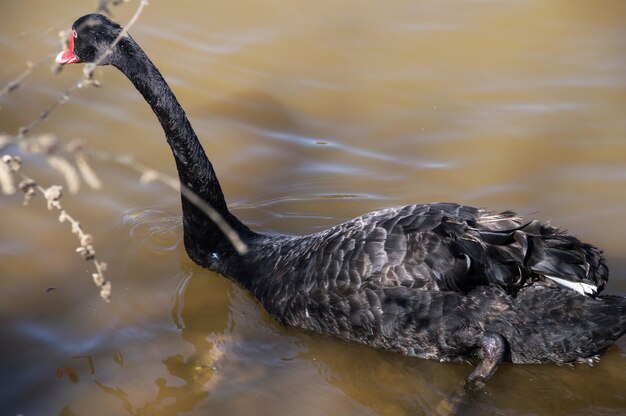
313, 113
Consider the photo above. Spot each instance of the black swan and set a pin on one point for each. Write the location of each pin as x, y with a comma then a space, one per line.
440, 281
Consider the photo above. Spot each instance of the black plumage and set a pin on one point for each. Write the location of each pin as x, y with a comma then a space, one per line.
441, 281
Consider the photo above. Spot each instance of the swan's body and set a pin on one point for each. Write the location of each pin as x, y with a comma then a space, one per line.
439, 281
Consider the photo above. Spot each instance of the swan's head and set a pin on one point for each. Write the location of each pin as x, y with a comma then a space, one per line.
91, 36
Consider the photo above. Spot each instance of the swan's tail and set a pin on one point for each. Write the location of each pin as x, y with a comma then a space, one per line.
501, 250
565, 260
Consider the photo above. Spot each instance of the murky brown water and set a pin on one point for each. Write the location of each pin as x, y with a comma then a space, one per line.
313, 113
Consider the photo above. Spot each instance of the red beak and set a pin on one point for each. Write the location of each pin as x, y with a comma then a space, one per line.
67, 56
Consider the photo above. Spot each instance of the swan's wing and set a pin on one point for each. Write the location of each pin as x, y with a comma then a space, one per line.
448, 247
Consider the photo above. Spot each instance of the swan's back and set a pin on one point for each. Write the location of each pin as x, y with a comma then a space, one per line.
436, 247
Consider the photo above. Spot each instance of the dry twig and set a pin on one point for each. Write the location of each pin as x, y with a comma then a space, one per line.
150, 175
17, 81
87, 78
53, 196
48, 146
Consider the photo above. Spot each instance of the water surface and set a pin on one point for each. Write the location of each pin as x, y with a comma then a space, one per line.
312, 113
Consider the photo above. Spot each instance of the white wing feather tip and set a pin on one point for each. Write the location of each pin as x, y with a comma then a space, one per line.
582, 288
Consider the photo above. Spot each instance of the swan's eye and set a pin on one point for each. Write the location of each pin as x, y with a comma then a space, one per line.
74, 33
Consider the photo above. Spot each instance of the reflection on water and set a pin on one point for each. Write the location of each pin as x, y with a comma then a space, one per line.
312, 113
194, 375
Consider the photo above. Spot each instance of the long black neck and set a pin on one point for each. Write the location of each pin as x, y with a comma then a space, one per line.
195, 171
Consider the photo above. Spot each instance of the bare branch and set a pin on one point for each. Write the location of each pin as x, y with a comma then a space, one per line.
88, 71
53, 196
149, 175
87, 78
103, 5
17, 81
48, 145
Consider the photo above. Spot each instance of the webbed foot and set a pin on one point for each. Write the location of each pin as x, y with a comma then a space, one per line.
492, 348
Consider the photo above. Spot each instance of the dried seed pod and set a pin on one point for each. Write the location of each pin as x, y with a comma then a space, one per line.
6, 180
86, 240
28, 186
13, 162
105, 291
98, 279
52, 195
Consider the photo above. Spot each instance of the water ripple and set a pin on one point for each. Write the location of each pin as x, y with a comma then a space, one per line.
308, 141
154, 229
